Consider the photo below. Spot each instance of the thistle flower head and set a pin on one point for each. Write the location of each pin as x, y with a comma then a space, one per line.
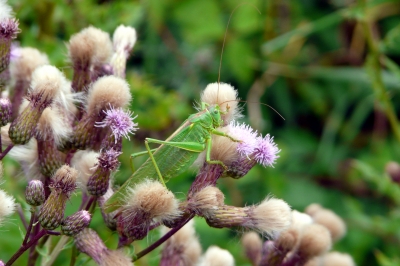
108, 160
54, 125
225, 96
9, 28
266, 151
88, 241
216, 256
7, 206
27, 156
206, 200
5, 111
106, 91
120, 122
75, 223
246, 134
34, 193
124, 38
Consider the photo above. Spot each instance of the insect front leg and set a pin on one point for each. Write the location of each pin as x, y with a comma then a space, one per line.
208, 155
223, 134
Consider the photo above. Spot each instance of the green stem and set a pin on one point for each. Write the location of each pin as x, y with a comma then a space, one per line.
377, 83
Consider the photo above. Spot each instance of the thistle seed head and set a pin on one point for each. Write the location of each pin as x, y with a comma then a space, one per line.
28, 60
124, 38
6, 11
75, 223
332, 222
34, 193
84, 161
252, 245
335, 258
206, 200
225, 96
64, 180
216, 256
7, 206
105, 92
314, 241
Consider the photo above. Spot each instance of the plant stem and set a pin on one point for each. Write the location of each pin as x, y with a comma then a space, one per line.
28, 231
33, 256
4, 153
162, 239
22, 216
23, 248
57, 249
376, 76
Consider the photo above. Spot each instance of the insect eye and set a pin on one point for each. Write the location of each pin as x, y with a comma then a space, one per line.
215, 112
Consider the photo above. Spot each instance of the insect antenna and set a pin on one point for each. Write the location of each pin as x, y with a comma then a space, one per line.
226, 32
241, 101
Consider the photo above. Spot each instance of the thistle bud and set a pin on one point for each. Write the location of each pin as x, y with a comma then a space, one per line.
149, 202
45, 87
75, 223
62, 185
99, 181
5, 111
34, 193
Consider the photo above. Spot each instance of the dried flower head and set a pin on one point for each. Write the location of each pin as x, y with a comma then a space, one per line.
8, 29
332, 222
109, 218
183, 248
226, 97
216, 256
148, 202
207, 199
337, 259
6, 11
34, 193
88, 241
252, 245
124, 39
75, 223
315, 240
108, 91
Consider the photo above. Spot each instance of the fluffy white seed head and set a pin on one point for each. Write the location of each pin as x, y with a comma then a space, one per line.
7, 205
26, 155
47, 82
28, 60
186, 242
207, 200
216, 256
115, 258
53, 124
124, 38
5, 138
332, 222
153, 198
5, 10
84, 161
337, 259
272, 216
313, 208
108, 91
315, 240
252, 244
287, 239
223, 148
299, 220
226, 97
102, 47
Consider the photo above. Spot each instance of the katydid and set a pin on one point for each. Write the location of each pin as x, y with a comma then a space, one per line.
177, 153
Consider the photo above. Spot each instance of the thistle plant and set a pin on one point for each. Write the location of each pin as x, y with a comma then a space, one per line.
68, 138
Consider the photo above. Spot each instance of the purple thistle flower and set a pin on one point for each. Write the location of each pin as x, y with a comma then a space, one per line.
246, 134
108, 160
266, 151
120, 122
9, 28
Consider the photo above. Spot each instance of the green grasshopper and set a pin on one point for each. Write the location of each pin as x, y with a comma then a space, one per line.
177, 153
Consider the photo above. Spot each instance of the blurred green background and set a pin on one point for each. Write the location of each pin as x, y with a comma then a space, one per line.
331, 68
